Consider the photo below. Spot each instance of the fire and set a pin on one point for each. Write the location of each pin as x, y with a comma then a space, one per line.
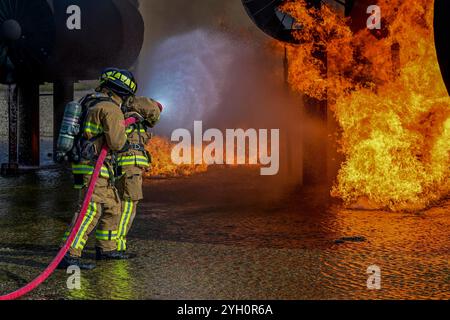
389, 98
162, 166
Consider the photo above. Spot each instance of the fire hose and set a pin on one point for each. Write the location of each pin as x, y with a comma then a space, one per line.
61, 254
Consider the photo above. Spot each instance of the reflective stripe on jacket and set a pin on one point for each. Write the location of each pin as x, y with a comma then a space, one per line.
86, 169
138, 134
134, 160
104, 123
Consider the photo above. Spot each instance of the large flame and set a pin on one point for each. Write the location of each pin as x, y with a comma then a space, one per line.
388, 96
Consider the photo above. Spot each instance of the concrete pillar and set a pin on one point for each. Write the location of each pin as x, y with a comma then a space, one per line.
29, 125
13, 124
315, 168
12, 167
315, 146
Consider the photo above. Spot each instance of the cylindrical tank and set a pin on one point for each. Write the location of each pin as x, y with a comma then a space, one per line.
70, 128
441, 29
92, 35
50, 40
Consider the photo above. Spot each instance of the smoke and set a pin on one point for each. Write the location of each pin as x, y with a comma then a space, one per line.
206, 61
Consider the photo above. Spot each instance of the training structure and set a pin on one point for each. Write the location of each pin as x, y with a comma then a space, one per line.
59, 42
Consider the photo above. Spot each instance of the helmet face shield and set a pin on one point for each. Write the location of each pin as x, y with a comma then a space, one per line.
121, 82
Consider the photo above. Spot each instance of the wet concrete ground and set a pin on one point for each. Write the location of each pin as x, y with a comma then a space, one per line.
227, 235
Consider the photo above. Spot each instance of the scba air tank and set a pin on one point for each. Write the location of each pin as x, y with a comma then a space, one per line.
70, 129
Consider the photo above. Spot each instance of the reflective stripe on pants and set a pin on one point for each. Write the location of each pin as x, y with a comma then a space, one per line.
104, 211
91, 218
126, 221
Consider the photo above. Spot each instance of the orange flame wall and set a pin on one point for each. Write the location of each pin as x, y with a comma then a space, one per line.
388, 97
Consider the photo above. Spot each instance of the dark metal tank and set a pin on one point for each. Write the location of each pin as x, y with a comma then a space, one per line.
111, 34
27, 36
36, 39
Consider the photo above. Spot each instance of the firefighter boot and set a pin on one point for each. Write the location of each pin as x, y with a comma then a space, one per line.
111, 255
69, 261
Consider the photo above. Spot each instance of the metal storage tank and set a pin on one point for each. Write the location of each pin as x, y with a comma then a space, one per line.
111, 34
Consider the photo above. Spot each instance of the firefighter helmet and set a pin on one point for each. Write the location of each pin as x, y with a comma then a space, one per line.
121, 82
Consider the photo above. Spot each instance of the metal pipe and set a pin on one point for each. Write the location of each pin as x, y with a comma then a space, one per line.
12, 115
29, 125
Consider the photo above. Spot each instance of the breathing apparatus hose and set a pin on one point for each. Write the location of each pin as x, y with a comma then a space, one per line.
60, 256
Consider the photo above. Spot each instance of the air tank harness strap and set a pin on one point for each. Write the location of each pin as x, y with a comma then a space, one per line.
113, 168
141, 142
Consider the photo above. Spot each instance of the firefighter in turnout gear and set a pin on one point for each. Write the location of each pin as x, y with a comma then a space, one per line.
135, 162
102, 123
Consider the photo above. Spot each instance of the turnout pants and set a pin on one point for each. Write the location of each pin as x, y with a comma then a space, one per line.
103, 213
130, 191
129, 209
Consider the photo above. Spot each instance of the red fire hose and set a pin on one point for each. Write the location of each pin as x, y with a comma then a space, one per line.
54, 264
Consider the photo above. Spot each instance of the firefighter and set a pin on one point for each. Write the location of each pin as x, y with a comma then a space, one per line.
135, 162
102, 123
